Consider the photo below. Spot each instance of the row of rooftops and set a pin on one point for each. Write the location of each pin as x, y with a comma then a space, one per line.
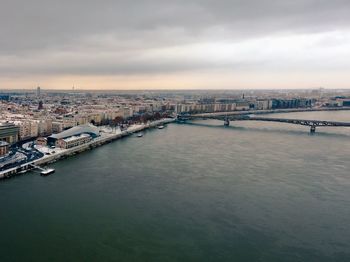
7, 124
74, 138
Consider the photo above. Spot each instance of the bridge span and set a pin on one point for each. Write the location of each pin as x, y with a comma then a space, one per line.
304, 122
268, 111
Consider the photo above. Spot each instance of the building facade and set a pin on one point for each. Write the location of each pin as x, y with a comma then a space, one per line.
9, 133
73, 141
4, 148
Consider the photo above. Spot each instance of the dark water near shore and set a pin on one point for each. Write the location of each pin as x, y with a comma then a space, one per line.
192, 192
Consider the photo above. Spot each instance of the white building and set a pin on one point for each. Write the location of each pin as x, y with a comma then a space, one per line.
73, 141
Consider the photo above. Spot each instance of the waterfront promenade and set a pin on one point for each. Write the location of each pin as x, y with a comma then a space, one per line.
106, 137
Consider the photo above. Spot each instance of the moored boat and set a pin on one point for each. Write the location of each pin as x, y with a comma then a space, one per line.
47, 172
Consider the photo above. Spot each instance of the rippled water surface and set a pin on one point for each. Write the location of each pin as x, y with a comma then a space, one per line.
191, 192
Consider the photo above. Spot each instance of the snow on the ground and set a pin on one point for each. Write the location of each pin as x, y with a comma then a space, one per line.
46, 149
134, 128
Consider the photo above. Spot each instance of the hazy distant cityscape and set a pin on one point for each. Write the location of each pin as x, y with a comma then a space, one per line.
38, 123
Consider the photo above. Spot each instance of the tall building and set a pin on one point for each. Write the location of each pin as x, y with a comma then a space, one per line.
9, 133
40, 106
28, 129
38, 93
45, 127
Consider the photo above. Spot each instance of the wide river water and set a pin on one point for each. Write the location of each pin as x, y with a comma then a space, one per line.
253, 191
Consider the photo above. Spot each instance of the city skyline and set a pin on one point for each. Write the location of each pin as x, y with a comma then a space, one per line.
175, 45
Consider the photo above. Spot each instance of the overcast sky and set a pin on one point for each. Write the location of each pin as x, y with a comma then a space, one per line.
161, 44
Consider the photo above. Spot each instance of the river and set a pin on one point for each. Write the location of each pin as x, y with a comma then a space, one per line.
253, 191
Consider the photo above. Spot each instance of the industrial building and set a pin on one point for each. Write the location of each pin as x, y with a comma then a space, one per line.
73, 141
76, 131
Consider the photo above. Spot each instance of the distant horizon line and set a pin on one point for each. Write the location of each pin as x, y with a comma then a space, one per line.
170, 89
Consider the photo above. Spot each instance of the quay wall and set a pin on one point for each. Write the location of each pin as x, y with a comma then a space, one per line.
47, 159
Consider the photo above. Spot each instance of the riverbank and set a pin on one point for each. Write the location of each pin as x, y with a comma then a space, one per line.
106, 137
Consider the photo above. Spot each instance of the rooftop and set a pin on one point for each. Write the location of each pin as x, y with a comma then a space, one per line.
77, 130
73, 138
3, 143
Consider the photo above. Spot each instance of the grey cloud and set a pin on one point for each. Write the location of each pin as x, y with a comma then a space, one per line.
34, 28
45, 23
109, 64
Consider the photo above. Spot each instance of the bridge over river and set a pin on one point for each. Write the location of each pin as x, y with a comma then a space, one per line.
227, 118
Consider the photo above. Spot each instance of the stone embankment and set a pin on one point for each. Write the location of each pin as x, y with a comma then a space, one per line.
103, 139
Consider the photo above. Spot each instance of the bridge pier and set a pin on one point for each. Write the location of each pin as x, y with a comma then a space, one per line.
226, 117
312, 129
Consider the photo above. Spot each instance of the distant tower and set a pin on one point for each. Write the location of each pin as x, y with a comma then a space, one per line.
243, 96
40, 107
321, 92
38, 91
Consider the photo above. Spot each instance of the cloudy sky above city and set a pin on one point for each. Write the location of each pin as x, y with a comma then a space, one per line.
159, 44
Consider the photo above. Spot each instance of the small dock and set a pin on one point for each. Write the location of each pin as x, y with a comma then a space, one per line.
43, 171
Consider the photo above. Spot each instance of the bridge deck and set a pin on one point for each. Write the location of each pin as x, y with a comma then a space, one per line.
305, 122
261, 112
